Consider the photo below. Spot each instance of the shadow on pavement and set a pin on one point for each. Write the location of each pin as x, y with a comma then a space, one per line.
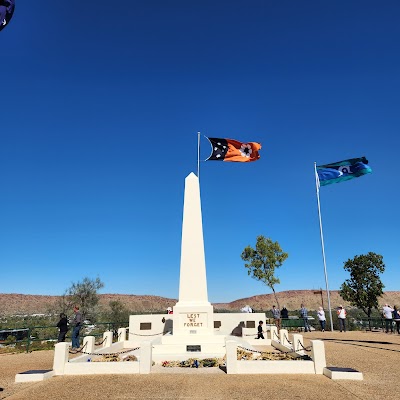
360, 343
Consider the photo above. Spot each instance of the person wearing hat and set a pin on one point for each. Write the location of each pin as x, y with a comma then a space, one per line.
341, 313
387, 314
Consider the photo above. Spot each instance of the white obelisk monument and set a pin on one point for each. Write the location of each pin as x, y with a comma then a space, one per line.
193, 313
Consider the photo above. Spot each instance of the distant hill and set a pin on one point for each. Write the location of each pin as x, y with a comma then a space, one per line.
37, 304
27, 304
293, 299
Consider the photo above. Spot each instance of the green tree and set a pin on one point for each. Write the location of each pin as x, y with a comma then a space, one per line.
364, 286
118, 314
85, 295
262, 261
63, 305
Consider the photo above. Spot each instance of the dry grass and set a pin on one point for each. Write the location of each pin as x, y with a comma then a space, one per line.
375, 354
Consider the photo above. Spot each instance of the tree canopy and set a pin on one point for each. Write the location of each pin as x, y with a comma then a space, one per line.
262, 261
364, 286
118, 314
85, 294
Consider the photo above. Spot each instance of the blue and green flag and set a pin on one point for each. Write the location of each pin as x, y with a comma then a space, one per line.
342, 170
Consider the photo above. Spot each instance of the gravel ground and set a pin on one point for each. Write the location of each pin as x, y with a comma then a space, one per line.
377, 355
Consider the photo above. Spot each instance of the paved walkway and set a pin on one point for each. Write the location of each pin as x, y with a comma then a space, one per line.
377, 355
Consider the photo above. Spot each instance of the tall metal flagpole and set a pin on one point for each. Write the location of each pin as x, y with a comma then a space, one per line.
322, 243
198, 155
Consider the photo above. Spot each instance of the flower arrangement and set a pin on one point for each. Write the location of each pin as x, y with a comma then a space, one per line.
195, 363
107, 358
130, 358
244, 354
267, 355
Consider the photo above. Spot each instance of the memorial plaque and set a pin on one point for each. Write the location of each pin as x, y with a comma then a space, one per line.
145, 326
250, 324
192, 347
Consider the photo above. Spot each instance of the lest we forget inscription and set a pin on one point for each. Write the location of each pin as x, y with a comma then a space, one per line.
193, 320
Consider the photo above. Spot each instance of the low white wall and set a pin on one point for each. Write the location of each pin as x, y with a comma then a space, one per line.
259, 342
80, 365
274, 367
313, 366
318, 356
230, 324
121, 334
234, 323
93, 368
155, 321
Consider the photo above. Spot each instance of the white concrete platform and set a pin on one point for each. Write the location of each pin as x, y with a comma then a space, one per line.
193, 339
274, 367
343, 373
34, 375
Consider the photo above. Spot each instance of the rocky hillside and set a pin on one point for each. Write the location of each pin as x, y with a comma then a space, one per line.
293, 299
35, 304
27, 304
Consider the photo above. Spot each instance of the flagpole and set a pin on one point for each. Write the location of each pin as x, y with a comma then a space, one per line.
322, 243
198, 155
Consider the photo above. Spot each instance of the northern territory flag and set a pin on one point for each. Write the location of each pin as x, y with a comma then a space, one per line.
232, 150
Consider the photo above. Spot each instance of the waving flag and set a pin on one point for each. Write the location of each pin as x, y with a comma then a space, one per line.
6, 12
342, 170
232, 150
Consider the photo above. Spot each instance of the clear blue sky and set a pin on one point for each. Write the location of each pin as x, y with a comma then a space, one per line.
101, 104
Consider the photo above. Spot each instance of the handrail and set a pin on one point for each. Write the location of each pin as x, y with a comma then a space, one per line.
52, 336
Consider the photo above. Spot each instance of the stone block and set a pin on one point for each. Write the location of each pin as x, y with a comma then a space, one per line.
34, 375
343, 373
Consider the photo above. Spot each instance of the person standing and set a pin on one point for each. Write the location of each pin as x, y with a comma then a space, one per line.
76, 327
276, 313
304, 315
396, 317
321, 318
341, 313
260, 330
284, 313
246, 309
63, 327
387, 314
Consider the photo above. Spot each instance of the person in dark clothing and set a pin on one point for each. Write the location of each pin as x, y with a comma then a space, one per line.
396, 318
284, 313
260, 330
63, 327
6, 12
